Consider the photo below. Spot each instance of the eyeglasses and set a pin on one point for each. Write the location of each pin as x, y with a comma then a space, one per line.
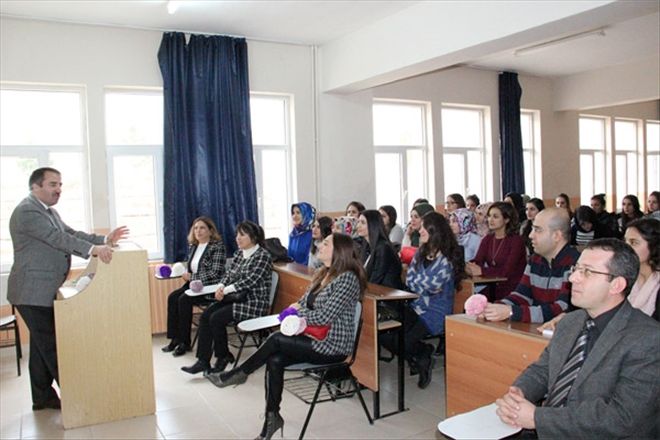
586, 272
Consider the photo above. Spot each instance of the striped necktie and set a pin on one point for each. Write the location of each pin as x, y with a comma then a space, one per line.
557, 396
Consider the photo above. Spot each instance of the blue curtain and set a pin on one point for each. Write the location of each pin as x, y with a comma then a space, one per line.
209, 169
513, 171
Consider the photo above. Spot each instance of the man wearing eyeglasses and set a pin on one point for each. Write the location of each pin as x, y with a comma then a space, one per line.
544, 290
600, 375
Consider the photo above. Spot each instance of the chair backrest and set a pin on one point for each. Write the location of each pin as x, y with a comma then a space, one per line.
274, 281
357, 323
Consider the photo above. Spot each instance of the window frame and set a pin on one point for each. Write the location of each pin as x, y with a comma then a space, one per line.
605, 151
534, 172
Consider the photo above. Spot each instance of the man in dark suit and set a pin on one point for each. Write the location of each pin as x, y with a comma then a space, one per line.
600, 374
43, 246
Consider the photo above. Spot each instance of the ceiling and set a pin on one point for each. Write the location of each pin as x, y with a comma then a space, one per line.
319, 22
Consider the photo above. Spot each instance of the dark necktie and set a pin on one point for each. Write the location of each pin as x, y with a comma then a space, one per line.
557, 396
54, 219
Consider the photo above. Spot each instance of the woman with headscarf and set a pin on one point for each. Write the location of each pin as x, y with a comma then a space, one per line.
481, 217
300, 238
464, 226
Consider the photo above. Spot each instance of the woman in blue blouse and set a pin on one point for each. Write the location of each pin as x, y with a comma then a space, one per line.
335, 289
434, 273
300, 238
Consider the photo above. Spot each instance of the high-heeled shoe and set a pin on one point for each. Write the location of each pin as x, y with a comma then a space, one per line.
221, 364
225, 379
181, 349
170, 347
273, 422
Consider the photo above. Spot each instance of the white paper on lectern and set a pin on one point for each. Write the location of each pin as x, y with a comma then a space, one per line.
482, 423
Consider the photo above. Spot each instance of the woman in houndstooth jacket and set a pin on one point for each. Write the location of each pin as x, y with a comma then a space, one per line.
330, 300
243, 293
206, 263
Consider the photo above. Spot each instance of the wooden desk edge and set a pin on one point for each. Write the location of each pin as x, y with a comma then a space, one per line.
530, 333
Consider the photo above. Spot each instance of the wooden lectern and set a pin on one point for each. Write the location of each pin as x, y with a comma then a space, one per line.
104, 344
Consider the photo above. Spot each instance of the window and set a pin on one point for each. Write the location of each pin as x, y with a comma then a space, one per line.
464, 150
652, 156
593, 141
134, 139
401, 153
530, 122
626, 157
42, 126
272, 145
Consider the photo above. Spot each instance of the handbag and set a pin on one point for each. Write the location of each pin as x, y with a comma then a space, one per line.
278, 253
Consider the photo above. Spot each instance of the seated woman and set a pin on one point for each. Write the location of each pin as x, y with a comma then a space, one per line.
517, 201
393, 230
653, 205
321, 228
411, 237
471, 202
464, 226
502, 252
586, 227
330, 300
434, 273
300, 238
453, 202
354, 209
606, 219
630, 210
206, 263
564, 202
481, 216
379, 258
243, 293
532, 207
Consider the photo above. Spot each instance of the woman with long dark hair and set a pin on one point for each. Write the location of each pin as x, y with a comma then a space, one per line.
206, 263
586, 227
379, 258
532, 207
434, 273
393, 230
644, 237
330, 300
411, 237
563, 201
300, 238
502, 252
243, 293
653, 205
630, 210
321, 228
453, 202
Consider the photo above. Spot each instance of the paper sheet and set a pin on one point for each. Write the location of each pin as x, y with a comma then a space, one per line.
482, 423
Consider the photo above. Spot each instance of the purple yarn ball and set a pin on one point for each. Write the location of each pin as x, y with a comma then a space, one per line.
164, 271
196, 286
289, 311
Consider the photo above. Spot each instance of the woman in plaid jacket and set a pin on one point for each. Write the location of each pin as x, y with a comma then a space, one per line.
330, 300
206, 262
243, 293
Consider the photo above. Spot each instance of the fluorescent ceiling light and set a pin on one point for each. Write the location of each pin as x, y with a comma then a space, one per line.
537, 47
173, 5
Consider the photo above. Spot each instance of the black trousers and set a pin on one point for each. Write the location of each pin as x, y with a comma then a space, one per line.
179, 314
212, 331
43, 351
414, 332
278, 352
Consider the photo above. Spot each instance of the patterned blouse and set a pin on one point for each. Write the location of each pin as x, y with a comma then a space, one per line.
334, 305
211, 265
251, 275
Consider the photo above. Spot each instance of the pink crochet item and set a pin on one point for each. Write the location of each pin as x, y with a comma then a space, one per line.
196, 286
475, 304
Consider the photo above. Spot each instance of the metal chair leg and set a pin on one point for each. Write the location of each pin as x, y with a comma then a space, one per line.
312, 405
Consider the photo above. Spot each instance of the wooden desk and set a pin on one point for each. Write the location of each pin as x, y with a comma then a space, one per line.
484, 358
294, 280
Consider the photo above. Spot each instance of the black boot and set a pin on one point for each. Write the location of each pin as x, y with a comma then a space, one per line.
197, 367
274, 421
232, 377
425, 366
221, 364
170, 347
181, 349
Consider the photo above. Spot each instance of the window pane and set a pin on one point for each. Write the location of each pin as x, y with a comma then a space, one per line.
599, 173
268, 119
398, 124
14, 175
454, 167
135, 199
274, 198
529, 171
71, 205
40, 118
134, 119
653, 169
526, 130
388, 182
621, 176
415, 173
475, 173
632, 173
461, 128
652, 136
625, 135
592, 133
586, 178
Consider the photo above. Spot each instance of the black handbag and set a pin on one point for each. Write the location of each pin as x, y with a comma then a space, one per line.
278, 253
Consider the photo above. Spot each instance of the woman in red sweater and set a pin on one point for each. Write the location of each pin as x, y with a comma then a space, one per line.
502, 251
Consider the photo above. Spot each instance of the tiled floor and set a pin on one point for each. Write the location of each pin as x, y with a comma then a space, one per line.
190, 407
